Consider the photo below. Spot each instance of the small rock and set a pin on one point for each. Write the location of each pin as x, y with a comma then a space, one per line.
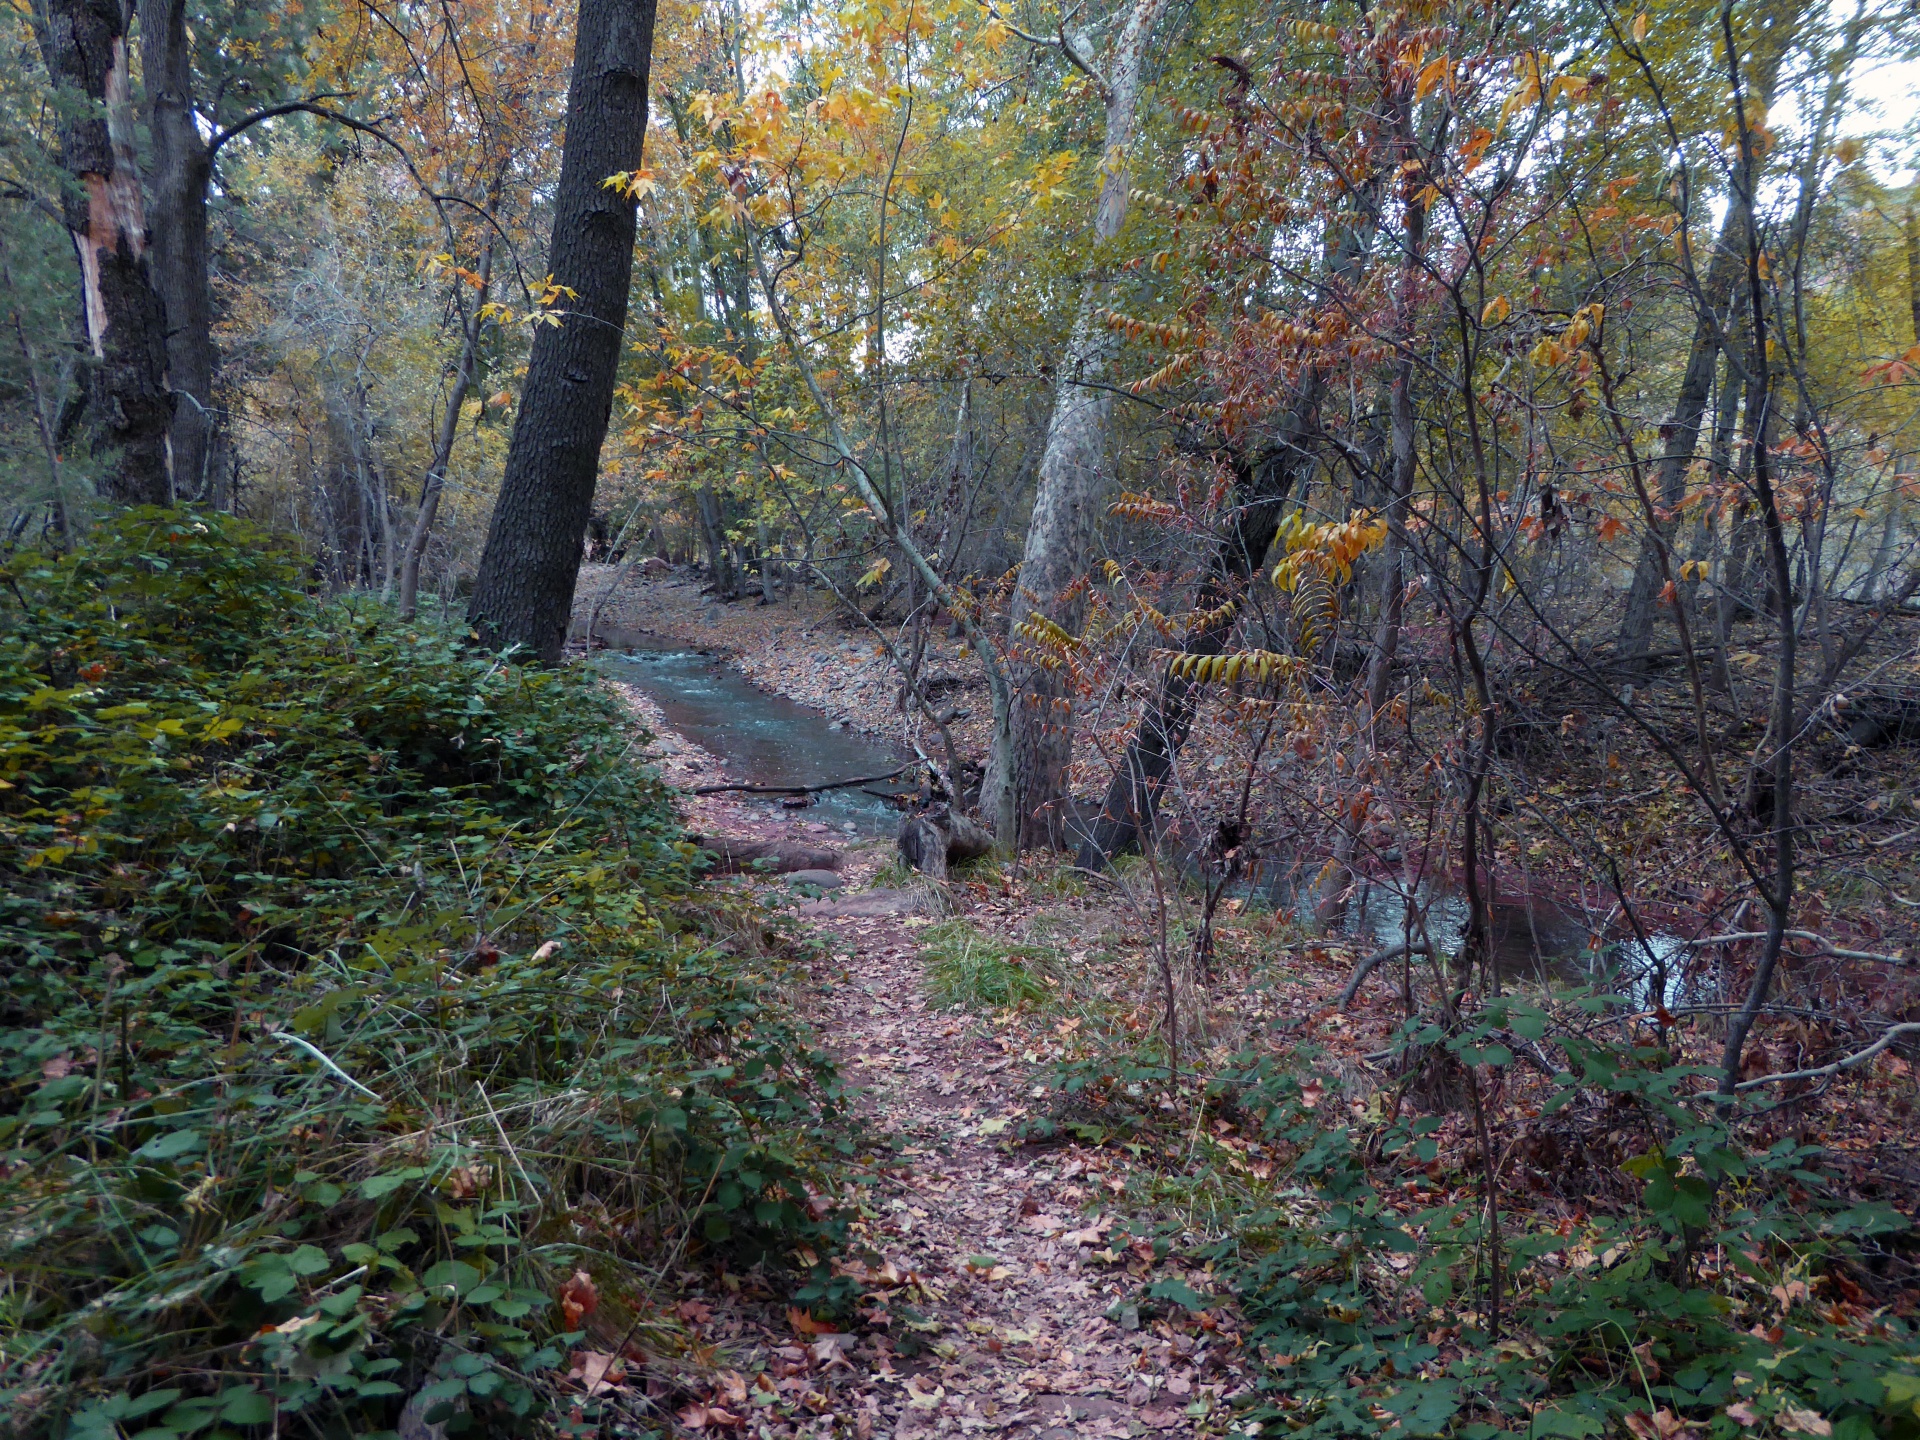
823, 879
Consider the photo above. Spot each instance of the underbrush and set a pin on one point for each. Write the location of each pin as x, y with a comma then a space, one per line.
1648, 1266
1719, 1298
371, 1059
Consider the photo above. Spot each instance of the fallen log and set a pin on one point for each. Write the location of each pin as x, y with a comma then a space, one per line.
728, 854
802, 789
932, 839
1367, 966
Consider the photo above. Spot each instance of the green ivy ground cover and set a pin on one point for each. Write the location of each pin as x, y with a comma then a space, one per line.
354, 993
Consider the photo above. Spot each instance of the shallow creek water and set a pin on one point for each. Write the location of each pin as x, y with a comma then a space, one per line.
762, 738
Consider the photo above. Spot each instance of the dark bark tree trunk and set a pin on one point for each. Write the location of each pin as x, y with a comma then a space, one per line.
84, 45
1261, 489
179, 171
1680, 435
523, 592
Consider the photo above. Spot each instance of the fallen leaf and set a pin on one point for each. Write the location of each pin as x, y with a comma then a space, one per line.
1092, 1234
1805, 1422
597, 1371
579, 1298
803, 1323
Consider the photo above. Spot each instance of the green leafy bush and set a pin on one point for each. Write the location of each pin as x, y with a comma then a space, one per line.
1372, 1312
356, 994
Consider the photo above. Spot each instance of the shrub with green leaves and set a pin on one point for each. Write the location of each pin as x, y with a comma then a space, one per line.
357, 992
1373, 1312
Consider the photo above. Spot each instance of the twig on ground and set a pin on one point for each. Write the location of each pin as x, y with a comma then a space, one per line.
1847, 1062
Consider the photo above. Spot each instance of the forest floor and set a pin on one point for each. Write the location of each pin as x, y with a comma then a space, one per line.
1004, 1305
1006, 1281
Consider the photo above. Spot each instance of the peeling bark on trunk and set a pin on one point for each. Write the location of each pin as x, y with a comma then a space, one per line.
1061, 529
523, 593
179, 172
84, 45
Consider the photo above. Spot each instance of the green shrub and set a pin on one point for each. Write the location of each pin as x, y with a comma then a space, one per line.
356, 994
968, 970
1373, 1314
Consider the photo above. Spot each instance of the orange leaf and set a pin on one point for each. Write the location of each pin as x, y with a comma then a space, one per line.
579, 1297
805, 1324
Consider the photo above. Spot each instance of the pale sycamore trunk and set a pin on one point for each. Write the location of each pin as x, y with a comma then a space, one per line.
1060, 531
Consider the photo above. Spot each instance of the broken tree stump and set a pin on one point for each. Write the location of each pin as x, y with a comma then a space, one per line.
932, 839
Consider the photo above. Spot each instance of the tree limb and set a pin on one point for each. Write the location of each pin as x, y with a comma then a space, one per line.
1819, 1072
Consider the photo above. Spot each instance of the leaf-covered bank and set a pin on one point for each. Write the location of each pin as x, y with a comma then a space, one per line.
369, 1050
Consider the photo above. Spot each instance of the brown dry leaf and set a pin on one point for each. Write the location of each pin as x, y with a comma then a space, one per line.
693, 1312
921, 1398
1742, 1413
1805, 1422
598, 1372
579, 1298
803, 1323
1663, 1424
733, 1385
1092, 1234
831, 1349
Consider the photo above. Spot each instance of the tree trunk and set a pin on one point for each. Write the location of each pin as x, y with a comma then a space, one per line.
1061, 529
435, 481
713, 533
84, 45
178, 174
1261, 489
523, 592
1401, 429
1680, 435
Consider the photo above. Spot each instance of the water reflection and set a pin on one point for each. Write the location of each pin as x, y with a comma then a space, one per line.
1535, 940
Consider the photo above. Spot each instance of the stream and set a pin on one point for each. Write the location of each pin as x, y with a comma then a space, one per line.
762, 738
766, 739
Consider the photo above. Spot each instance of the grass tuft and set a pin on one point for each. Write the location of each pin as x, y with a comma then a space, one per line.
968, 970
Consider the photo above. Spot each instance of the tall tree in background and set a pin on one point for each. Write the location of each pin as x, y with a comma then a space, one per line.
1060, 534
523, 593
179, 169
84, 45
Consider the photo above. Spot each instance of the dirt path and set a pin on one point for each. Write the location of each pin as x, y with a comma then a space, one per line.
1012, 1267
1008, 1305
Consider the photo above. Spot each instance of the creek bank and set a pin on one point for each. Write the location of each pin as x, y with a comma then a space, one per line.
806, 648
